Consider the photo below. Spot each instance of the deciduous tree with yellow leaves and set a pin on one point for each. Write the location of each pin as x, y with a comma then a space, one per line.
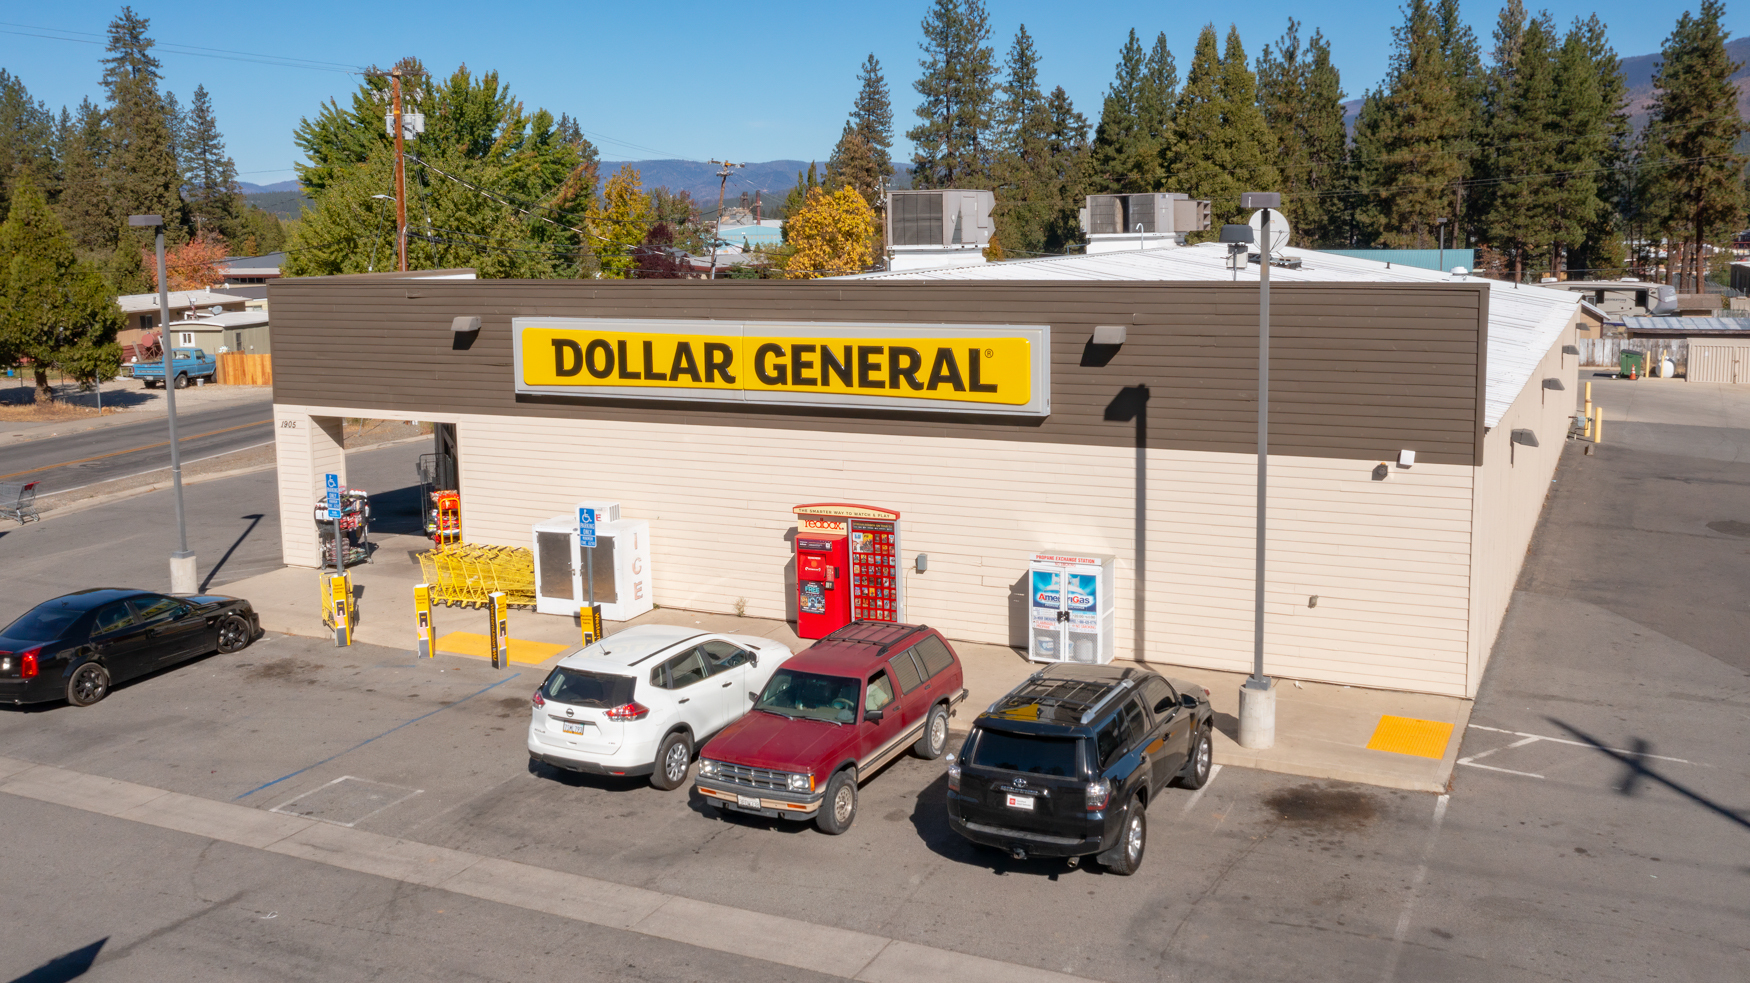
621, 217
831, 234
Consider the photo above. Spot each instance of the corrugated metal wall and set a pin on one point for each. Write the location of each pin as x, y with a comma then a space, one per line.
1719, 360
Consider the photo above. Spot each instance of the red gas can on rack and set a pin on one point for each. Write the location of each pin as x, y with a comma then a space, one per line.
847, 567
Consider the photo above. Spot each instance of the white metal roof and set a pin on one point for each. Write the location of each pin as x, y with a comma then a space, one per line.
1524, 321
229, 319
147, 303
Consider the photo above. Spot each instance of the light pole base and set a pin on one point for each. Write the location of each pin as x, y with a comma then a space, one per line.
1258, 716
183, 577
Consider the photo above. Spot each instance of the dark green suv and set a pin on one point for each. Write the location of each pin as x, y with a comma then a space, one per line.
1067, 764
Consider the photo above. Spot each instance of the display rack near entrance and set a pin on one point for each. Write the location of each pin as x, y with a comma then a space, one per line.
354, 525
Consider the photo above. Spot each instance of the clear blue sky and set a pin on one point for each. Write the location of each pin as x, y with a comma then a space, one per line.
681, 79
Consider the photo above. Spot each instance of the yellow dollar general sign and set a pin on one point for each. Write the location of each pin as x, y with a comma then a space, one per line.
932, 368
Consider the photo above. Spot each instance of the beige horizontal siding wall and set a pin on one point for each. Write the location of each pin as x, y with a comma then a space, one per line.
1388, 559
306, 448
1511, 487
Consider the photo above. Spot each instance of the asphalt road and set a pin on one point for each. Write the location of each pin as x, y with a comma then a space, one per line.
1599, 831
104, 453
233, 528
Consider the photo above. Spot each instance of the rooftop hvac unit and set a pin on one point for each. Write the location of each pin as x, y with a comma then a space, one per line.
946, 219
1160, 213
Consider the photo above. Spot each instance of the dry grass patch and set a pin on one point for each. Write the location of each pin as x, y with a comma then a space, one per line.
47, 412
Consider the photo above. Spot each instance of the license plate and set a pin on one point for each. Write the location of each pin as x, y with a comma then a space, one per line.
1023, 802
573, 726
747, 801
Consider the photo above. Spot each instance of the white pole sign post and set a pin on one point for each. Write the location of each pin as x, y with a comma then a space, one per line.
586, 542
334, 513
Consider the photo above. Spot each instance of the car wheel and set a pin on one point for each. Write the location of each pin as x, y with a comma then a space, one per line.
839, 809
89, 684
1196, 773
233, 634
182, 380
1127, 855
673, 757
935, 738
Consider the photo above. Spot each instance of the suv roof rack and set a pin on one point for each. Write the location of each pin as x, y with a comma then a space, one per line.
1086, 697
881, 634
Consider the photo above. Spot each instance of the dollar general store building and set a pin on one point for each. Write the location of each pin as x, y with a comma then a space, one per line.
972, 402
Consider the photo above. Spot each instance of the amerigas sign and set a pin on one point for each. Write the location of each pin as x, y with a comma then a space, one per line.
937, 368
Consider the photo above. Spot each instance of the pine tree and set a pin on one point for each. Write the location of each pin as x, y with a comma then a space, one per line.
1601, 251
1155, 95
953, 144
1116, 138
1462, 56
1066, 170
853, 163
1581, 143
1695, 119
85, 208
215, 198
27, 138
141, 171
1406, 167
1302, 98
872, 114
1527, 133
1021, 171
54, 309
1221, 143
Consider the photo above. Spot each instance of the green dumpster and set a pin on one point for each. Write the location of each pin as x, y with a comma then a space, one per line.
1632, 363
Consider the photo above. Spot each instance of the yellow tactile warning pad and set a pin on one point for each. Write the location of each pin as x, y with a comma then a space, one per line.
480, 647
1407, 735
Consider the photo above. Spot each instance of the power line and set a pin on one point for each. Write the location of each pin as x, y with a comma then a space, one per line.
185, 49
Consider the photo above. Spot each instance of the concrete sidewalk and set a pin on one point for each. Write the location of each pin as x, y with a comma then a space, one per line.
1322, 731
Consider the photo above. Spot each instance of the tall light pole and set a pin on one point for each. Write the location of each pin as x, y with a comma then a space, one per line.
1440, 232
1258, 695
182, 565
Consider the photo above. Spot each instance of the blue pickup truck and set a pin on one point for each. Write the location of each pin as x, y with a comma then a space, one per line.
189, 364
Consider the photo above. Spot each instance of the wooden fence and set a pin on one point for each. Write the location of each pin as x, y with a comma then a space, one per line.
1608, 351
244, 369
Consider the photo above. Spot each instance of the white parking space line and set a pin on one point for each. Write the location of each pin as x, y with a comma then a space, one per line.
1562, 740
703, 924
1198, 795
1403, 928
1470, 761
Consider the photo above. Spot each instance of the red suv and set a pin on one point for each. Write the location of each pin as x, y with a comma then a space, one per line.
831, 715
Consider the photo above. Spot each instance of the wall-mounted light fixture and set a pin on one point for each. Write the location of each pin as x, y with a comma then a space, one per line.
463, 330
1553, 383
1406, 459
1110, 334
923, 562
1103, 346
1526, 437
1570, 349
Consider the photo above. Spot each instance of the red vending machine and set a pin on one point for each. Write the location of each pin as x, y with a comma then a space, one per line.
847, 567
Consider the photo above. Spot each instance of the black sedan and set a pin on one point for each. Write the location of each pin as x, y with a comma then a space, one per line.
77, 646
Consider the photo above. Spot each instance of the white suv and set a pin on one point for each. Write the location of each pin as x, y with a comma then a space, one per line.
639, 701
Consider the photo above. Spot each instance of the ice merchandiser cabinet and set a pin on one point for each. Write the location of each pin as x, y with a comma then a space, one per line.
1070, 608
847, 567
622, 565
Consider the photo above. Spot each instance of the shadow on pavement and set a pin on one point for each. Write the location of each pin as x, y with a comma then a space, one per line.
254, 520
398, 511
63, 968
1637, 769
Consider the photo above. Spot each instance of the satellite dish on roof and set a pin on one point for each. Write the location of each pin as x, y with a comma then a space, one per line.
1278, 229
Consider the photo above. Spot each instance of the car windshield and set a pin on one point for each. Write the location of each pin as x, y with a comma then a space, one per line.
587, 689
45, 623
811, 695
1026, 753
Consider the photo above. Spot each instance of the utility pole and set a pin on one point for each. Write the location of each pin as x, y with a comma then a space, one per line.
400, 176
723, 183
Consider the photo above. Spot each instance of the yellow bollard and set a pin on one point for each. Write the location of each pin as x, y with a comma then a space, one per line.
1598, 426
337, 607
498, 604
590, 617
1588, 400
422, 615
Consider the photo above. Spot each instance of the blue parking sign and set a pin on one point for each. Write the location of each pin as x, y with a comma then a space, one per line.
334, 496
586, 528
